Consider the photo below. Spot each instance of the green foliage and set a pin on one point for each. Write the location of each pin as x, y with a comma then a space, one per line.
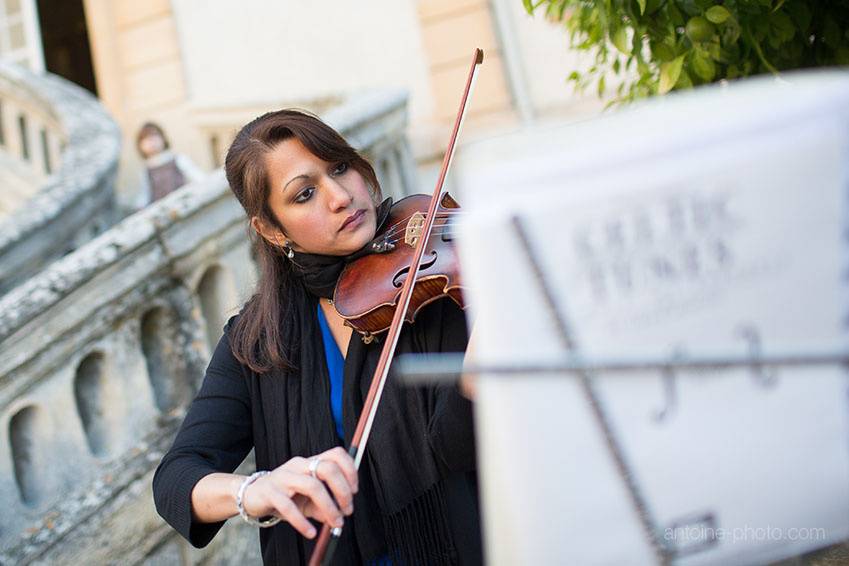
655, 46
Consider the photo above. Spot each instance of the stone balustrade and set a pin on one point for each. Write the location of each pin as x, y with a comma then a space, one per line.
101, 352
59, 154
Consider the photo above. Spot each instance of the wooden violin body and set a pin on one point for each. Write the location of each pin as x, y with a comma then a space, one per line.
368, 289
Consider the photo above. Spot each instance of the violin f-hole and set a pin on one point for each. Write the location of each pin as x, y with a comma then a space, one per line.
398, 280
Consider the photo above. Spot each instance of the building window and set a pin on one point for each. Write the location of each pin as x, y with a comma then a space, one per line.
24, 133
63, 29
20, 37
45, 152
215, 148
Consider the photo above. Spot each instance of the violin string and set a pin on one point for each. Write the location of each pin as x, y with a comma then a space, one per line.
433, 233
402, 224
394, 227
438, 214
394, 236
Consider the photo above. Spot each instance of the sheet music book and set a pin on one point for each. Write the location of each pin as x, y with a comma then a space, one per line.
712, 223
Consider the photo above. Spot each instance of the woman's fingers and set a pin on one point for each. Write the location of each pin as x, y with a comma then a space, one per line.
287, 510
330, 473
341, 458
325, 509
292, 486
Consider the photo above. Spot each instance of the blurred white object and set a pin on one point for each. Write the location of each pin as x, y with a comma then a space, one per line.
706, 224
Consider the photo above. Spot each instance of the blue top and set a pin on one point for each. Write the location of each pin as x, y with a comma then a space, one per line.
335, 367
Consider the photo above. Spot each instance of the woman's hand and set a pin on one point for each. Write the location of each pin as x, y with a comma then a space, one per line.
469, 386
291, 493
469, 381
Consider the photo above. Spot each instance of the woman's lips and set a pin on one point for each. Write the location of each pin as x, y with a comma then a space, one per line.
354, 220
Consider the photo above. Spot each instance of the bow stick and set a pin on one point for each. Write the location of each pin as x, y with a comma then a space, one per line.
329, 537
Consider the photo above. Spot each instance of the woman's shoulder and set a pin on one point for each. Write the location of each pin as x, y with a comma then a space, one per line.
223, 355
231, 322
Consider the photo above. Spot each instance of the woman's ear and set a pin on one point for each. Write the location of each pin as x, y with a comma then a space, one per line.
271, 235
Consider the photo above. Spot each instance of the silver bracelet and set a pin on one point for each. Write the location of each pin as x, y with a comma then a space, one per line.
270, 522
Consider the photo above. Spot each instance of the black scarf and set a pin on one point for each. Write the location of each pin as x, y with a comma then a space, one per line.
400, 509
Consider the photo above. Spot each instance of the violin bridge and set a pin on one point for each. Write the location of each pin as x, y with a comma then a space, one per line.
414, 229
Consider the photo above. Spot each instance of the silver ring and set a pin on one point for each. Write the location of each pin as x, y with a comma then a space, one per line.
314, 462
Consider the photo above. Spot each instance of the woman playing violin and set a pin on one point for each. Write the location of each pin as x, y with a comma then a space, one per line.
288, 379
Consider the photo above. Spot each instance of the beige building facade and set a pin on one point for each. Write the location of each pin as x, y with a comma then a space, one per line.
202, 68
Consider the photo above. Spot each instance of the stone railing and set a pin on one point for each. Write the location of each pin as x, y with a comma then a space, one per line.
100, 354
60, 141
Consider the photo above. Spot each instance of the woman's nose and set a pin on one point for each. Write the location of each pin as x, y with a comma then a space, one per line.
337, 196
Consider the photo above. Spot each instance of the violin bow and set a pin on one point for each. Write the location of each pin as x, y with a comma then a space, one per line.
329, 537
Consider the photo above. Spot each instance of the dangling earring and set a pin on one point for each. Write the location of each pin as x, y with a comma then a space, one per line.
287, 249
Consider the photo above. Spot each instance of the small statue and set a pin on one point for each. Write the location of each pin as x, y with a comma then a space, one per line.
164, 170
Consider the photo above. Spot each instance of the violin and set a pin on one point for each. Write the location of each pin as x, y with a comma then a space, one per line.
367, 293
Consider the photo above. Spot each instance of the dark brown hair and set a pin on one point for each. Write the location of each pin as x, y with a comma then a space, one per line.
257, 336
151, 128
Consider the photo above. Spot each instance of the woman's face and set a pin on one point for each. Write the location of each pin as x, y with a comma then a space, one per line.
324, 208
152, 144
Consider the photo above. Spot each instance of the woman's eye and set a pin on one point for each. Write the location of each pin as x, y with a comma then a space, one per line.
305, 195
340, 169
